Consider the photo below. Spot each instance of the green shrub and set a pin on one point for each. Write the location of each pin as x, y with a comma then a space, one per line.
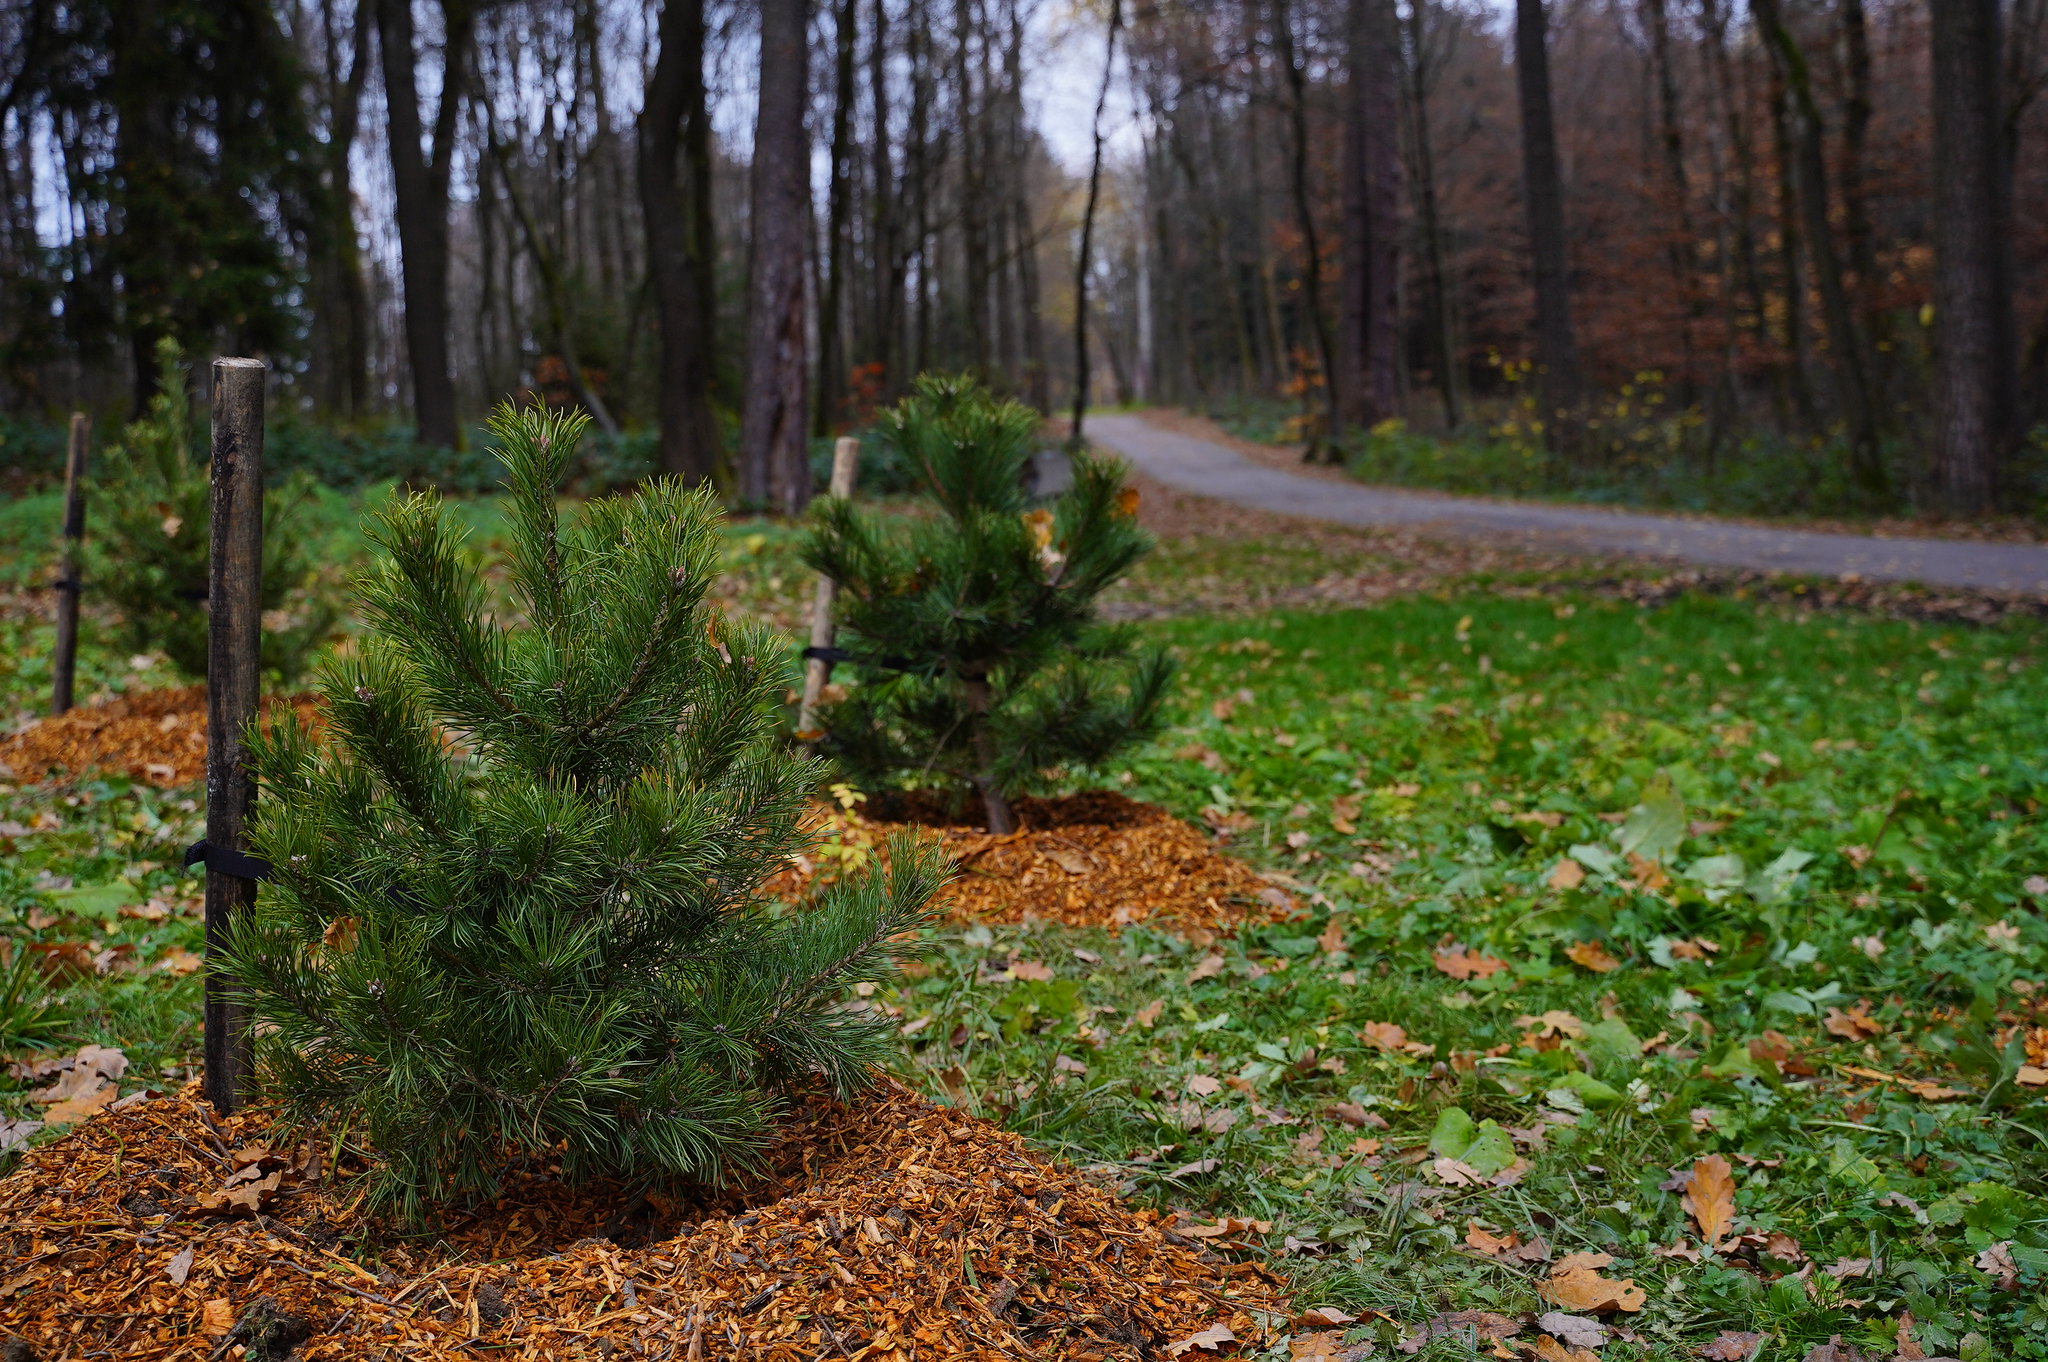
979, 658
150, 544
544, 937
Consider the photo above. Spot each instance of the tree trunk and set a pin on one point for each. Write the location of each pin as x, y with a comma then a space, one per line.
838, 235
420, 199
1083, 259
884, 339
1557, 351
1974, 361
1443, 322
342, 322
1845, 344
1328, 448
675, 96
1369, 316
775, 473
1856, 112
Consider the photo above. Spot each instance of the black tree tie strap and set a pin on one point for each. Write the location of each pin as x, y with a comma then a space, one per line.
203, 852
836, 655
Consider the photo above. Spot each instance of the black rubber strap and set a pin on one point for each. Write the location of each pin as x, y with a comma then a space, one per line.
203, 852
894, 664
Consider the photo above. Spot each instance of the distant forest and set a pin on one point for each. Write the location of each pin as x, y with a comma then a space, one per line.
1826, 219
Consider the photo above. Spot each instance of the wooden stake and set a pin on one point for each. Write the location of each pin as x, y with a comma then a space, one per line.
64, 662
234, 641
817, 671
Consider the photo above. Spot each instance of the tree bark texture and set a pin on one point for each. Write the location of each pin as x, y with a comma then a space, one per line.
1975, 367
420, 199
1370, 315
676, 253
775, 466
1557, 350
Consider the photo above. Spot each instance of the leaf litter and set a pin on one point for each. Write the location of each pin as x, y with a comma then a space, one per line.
1097, 859
893, 1228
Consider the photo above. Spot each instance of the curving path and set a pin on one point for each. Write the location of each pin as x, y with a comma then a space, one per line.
1211, 470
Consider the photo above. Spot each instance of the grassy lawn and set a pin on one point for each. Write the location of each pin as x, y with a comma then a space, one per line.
1598, 891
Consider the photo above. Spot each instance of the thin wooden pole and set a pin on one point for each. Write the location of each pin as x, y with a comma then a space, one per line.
817, 671
64, 662
234, 639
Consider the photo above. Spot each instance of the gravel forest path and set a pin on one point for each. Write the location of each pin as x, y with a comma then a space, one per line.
1210, 469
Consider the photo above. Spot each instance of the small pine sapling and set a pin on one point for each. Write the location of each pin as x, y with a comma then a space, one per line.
152, 539
516, 906
978, 658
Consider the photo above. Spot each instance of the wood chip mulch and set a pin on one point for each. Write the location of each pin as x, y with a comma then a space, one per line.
892, 1229
1096, 859
154, 736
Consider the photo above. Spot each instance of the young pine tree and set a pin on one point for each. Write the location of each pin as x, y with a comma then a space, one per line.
151, 544
978, 654
515, 903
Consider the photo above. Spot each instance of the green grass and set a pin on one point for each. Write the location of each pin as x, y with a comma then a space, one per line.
1903, 764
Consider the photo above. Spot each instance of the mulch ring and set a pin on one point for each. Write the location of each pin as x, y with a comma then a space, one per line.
1096, 859
154, 736
892, 1229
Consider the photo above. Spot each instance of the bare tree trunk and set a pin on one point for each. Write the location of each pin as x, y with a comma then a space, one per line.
420, 194
1557, 351
1672, 139
342, 326
1328, 448
838, 237
1856, 112
675, 95
1791, 257
885, 340
775, 468
1084, 258
1975, 371
1443, 322
1370, 316
1845, 344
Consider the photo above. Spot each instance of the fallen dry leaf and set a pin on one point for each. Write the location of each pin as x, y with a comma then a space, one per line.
1323, 1316
1566, 874
1483, 1325
1459, 963
1383, 1035
1710, 1197
179, 961
217, 1319
1584, 1289
1208, 967
1549, 1349
1492, 1245
1997, 1260
1149, 1013
179, 1267
1573, 1329
1732, 1346
1592, 955
1208, 1340
1036, 971
1205, 1085
1855, 1024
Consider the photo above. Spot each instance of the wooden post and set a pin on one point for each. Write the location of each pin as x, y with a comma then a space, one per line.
64, 662
234, 638
817, 671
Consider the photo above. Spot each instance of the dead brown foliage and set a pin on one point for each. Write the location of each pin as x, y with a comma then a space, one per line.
1096, 859
894, 1226
154, 736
